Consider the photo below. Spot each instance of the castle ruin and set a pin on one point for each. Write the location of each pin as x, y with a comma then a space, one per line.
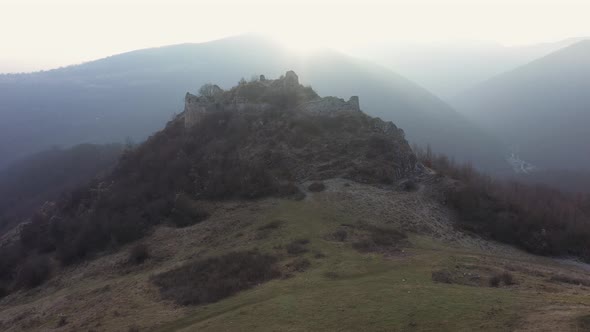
196, 106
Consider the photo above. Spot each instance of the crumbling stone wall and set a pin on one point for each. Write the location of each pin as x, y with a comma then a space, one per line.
194, 108
331, 105
216, 99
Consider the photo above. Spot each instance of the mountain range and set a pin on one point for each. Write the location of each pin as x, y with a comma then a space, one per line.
131, 94
541, 109
448, 69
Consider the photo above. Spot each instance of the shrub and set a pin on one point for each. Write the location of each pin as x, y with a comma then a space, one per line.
300, 264
33, 272
271, 225
378, 239
185, 213
138, 254
316, 187
409, 185
265, 230
331, 275
319, 254
505, 278
584, 322
495, 281
10, 256
62, 321
290, 190
340, 235
297, 247
442, 276
212, 279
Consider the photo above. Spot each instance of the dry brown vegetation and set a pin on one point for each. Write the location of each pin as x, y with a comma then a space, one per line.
536, 218
316, 187
378, 238
212, 279
138, 254
297, 247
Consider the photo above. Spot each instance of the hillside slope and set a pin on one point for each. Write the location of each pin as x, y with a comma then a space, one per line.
437, 279
542, 108
131, 94
266, 207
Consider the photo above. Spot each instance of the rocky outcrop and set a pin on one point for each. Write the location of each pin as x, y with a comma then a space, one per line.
291, 80
305, 136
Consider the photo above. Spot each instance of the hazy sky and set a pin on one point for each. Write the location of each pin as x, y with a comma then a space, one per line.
38, 34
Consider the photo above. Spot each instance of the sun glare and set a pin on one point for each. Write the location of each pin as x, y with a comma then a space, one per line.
301, 44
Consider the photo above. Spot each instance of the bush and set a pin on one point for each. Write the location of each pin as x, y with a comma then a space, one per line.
33, 272
442, 276
265, 230
271, 225
62, 321
10, 257
316, 187
185, 213
300, 264
409, 185
378, 239
495, 281
505, 278
584, 322
212, 279
297, 247
138, 254
340, 235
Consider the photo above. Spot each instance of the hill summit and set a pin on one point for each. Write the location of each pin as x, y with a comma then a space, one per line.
291, 132
260, 138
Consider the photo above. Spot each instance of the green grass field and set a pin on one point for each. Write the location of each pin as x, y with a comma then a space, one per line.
349, 291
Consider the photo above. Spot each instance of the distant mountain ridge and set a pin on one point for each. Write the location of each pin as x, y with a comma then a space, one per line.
448, 69
132, 94
542, 108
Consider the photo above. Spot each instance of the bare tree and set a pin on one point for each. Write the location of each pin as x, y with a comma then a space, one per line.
210, 90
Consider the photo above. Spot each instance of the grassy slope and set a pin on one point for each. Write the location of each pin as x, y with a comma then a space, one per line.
377, 292
371, 291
